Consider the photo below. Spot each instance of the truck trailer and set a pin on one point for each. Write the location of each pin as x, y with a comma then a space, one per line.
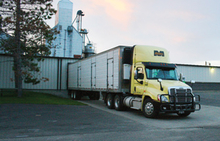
139, 77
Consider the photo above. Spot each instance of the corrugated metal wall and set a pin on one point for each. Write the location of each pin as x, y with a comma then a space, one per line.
205, 74
55, 69
63, 77
49, 69
6, 73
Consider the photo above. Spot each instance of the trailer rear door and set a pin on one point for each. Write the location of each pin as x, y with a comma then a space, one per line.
110, 72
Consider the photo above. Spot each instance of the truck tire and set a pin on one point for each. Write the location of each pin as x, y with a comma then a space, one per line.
72, 95
110, 101
149, 108
185, 114
75, 95
118, 103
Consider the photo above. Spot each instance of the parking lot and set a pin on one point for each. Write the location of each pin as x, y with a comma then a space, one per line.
30, 122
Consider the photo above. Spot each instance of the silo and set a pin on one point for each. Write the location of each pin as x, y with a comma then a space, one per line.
89, 50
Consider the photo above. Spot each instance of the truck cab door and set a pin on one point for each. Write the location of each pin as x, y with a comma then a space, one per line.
139, 78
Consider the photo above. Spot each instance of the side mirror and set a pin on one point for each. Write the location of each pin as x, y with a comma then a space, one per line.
192, 82
181, 78
161, 87
159, 80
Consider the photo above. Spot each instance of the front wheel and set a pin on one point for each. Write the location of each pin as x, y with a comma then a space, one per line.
149, 108
185, 114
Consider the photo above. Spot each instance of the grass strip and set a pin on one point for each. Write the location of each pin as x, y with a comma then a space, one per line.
29, 97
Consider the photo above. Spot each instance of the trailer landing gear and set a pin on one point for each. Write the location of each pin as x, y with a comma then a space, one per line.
94, 96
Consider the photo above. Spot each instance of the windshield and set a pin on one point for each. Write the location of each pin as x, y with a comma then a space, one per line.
162, 73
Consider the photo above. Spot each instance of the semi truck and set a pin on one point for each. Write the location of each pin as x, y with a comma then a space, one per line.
137, 77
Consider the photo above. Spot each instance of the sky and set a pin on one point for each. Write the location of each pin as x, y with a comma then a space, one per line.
188, 29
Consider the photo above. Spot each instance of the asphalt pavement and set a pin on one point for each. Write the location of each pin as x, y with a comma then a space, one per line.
211, 98
33, 122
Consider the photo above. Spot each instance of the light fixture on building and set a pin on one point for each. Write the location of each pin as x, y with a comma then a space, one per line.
212, 70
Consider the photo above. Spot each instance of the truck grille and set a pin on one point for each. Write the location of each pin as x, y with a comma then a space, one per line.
181, 96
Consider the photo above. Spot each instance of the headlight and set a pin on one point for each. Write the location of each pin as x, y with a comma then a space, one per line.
196, 99
162, 98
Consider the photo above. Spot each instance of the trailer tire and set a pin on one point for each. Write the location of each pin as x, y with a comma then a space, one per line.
118, 103
72, 95
185, 114
75, 95
110, 101
149, 108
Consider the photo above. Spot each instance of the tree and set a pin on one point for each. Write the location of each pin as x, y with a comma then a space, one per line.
24, 21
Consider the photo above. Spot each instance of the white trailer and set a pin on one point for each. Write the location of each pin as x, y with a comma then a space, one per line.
101, 73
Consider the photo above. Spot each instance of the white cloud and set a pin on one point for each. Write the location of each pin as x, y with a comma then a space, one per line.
188, 16
117, 12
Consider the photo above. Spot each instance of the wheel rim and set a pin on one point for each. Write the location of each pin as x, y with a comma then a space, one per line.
109, 101
149, 108
116, 102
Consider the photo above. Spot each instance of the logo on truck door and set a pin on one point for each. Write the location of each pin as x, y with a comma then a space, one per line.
158, 53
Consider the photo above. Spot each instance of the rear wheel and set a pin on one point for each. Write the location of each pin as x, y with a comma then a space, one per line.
110, 101
75, 95
185, 114
149, 108
118, 103
72, 95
